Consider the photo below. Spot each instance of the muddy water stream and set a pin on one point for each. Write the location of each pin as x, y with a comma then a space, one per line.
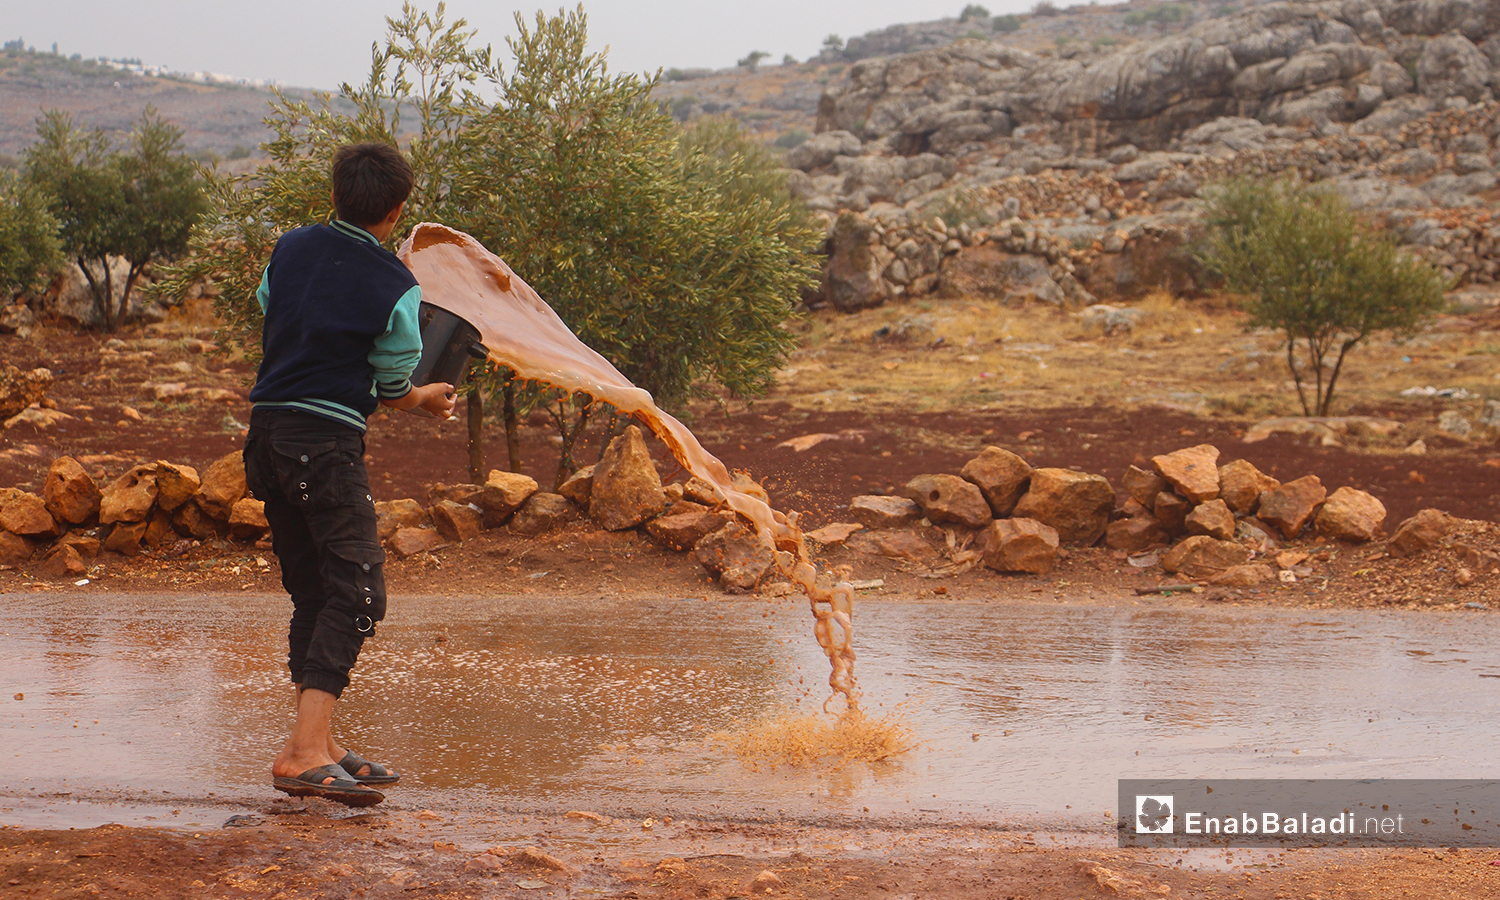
166, 710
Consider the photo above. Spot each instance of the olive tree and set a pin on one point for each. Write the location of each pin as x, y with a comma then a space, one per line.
1312, 271
676, 255
139, 202
28, 237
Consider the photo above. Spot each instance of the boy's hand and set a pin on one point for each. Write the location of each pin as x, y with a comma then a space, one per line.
436, 398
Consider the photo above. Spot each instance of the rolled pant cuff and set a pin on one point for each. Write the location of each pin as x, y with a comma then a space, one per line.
329, 683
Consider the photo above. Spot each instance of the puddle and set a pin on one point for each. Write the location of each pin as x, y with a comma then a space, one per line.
136, 706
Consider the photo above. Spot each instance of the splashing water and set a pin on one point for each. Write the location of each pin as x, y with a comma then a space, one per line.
523, 333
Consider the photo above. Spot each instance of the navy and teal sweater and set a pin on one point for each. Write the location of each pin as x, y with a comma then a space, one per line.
341, 324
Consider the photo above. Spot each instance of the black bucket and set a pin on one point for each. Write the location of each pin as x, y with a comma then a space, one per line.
448, 343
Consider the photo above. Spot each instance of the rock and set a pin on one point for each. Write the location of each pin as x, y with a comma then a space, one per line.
14, 549
457, 493
1292, 505
1201, 556
1212, 518
1351, 515
898, 545
1193, 472
503, 494
579, 486
19, 389
681, 531
700, 491
834, 534
1021, 545
1421, 532
86, 545
627, 489
70, 494
1101, 318
820, 149
408, 541
392, 515
1451, 66
767, 882
852, 276
1075, 503
874, 511
247, 518
1134, 534
129, 497
64, 562
457, 522
1452, 422
1001, 477
1143, 485
1247, 575
736, 556
175, 484
19, 320
158, 527
1490, 418
1241, 484
1171, 511
190, 520
542, 512
987, 272
125, 538
24, 513
949, 499
223, 485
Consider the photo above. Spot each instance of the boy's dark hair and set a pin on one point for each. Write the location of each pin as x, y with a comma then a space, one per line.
369, 180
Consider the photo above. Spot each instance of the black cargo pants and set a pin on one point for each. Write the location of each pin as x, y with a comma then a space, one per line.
310, 473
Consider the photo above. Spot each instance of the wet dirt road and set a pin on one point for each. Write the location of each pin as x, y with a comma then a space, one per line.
164, 710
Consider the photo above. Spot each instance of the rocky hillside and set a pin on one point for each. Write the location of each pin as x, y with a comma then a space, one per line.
979, 167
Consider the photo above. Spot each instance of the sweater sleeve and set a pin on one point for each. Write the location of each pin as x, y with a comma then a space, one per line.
263, 293
397, 351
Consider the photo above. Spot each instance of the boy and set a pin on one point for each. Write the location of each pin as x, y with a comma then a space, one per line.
340, 335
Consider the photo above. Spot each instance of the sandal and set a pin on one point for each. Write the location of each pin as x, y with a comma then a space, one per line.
344, 788
353, 762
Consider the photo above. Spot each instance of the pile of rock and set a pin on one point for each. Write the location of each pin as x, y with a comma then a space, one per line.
73, 519
623, 491
1197, 518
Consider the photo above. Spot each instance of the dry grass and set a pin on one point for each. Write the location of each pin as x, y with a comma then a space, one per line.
936, 355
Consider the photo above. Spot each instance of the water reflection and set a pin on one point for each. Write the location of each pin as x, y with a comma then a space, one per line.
608, 704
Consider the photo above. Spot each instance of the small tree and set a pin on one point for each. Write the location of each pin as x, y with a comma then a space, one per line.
28, 236
833, 44
973, 11
139, 204
752, 60
1316, 274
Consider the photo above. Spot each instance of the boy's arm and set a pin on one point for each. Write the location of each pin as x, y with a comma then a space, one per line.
394, 356
397, 351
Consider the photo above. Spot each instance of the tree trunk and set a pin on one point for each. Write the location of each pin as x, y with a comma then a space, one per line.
101, 301
475, 411
512, 427
130, 279
570, 436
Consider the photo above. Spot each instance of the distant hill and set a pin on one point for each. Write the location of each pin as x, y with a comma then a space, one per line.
223, 120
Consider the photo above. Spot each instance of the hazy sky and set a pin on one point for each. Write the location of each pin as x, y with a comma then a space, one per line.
318, 43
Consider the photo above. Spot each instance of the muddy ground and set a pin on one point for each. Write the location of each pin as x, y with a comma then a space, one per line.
927, 400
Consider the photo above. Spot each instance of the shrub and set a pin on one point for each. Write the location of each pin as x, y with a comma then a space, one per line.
1045, 8
793, 138
1006, 23
1316, 274
973, 11
752, 59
